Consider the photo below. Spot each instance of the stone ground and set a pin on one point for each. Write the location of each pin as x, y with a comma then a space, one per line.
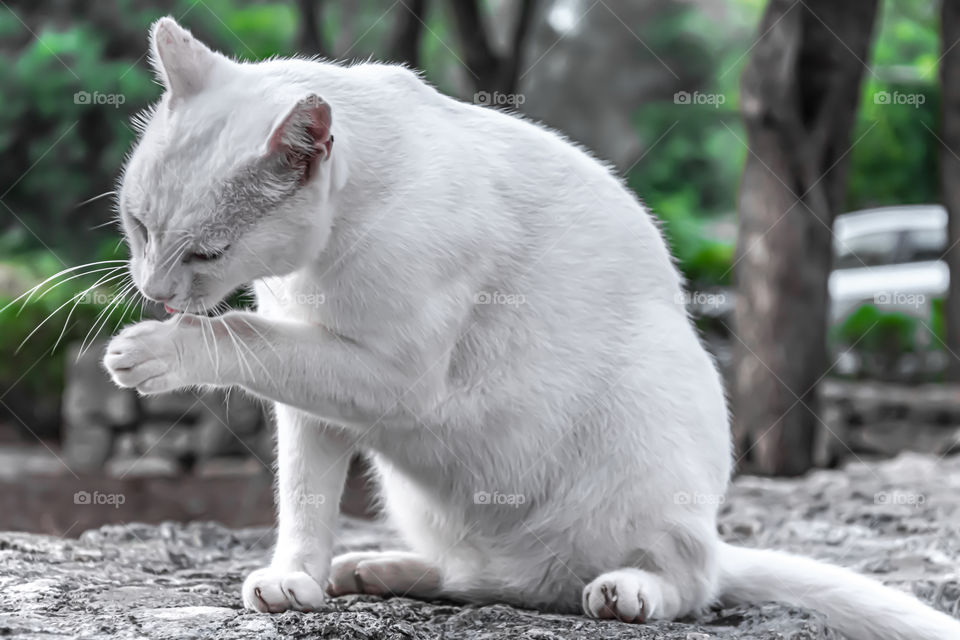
898, 520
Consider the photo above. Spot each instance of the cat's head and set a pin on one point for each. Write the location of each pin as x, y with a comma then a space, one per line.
229, 180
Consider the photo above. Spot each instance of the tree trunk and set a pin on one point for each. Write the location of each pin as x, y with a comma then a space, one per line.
799, 97
405, 45
950, 172
309, 41
489, 71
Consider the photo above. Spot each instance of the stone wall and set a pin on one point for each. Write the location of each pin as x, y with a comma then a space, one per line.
199, 432
114, 436
865, 418
217, 433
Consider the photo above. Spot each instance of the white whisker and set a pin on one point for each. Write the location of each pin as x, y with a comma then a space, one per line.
101, 321
73, 277
126, 309
215, 355
263, 338
94, 199
76, 297
29, 292
70, 314
238, 343
104, 224
174, 253
173, 258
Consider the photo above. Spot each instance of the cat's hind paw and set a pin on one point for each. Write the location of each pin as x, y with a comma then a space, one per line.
383, 573
273, 591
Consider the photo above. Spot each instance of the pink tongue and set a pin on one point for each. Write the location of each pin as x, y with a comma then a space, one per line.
170, 309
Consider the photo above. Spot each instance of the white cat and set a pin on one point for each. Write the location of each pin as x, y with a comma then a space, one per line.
480, 304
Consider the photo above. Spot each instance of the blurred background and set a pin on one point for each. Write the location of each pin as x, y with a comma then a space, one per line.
800, 156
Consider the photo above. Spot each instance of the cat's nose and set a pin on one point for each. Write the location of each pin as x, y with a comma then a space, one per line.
157, 295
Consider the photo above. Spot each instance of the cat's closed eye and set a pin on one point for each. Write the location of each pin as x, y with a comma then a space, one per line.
140, 228
206, 256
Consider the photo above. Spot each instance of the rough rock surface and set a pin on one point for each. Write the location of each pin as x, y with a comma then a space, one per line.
898, 520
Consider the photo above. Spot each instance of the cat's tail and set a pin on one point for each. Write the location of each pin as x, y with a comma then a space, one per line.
860, 608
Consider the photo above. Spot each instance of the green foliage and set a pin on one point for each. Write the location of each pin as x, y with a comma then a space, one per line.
875, 331
908, 36
894, 157
882, 339
261, 31
894, 154
704, 261
690, 172
37, 368
68, 96
938, 323
50, 113
61, 149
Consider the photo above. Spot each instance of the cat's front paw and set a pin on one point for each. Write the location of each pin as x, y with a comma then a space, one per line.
628, 595
150, 357
273, 591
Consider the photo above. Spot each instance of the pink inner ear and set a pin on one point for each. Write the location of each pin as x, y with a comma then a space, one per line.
317, 128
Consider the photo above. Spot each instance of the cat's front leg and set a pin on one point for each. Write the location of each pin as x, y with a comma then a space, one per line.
299, 364
312, 461
312, 456
184, 351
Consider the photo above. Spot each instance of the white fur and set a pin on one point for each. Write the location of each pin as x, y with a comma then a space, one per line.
485, 308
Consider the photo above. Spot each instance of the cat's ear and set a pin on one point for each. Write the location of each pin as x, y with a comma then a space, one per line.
181, 62
302, 137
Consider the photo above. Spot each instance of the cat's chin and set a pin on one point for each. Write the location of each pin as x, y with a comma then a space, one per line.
188, 311
204, 307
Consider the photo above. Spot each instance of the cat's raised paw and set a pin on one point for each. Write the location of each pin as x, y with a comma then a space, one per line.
273, 591
146, 356
628, 595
